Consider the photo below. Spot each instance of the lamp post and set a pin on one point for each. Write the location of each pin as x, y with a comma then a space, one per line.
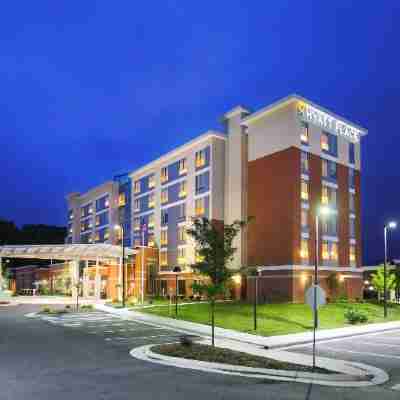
176, 270
121, 228
390, 225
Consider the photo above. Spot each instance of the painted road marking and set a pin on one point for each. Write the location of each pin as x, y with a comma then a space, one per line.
396, 387
335, 350
378, 344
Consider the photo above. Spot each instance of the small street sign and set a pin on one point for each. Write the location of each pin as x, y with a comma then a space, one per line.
320, 296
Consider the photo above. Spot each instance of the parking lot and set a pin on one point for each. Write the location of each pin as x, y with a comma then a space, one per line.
380, 350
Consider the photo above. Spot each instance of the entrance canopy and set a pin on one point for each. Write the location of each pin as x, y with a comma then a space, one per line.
100, 252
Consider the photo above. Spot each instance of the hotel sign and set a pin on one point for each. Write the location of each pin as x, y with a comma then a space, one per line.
331, 124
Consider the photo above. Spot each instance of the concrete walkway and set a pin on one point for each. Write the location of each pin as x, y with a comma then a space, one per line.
272, 342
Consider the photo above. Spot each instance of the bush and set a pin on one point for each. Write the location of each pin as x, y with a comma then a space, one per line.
46, 310
342, 299
354, 316
87, 307
186, 340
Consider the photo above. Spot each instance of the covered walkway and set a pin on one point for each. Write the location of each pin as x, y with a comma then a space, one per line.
72, 254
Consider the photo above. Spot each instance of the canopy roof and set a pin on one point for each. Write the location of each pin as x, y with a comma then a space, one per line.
66, 252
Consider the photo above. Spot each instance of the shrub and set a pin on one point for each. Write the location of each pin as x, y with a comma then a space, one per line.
87, 307
186, 340
354, 316
342, 299
46, 310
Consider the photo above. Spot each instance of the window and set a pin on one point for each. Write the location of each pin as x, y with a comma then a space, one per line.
352, 227
304, 163
70, 230
86, 211
304, 249
352, 202
106, 234
70, 214
201, 182
136, 224
182, 211
102, 219
181, 287
151, 200
152, 181
164, 196
182, 166
164, 174
150, 221
164, 217
150, 240
304, 133
352, 254
182, 189
198, 256
199, 207
329, 196
200, 158
352, 153
329, 169
164, 237
163, 258
137, 205
181, 255
136, 243
304, 190
304, 218
121, 199
181, 234
329, 225
329, 143
329, 251
137, 187
352, 178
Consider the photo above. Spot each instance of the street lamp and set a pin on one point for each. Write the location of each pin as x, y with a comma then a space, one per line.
176, 270
390, 225
121, 228
321, 212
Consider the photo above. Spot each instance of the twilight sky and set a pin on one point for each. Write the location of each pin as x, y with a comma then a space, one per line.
90, 89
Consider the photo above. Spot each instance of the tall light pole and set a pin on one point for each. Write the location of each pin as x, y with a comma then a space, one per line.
176, 270
121, 228
390, 225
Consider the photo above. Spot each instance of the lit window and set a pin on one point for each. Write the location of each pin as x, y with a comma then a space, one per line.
304, 162
164, 237
164, 196
352, 254
164, 174
118, 234
200, 158
325, 251
136, 224
137, 205
304, 133
325, 195
198, 256
334, 252
121, 199
70, 214
304, 190
325, 141
106, 234
182, 189
199, 207
329, 251
137, 187
182, 166
304, 249
152, 181
181, 255
181, 233
163, 258
151, 200
304, 218
150, 221
150, 240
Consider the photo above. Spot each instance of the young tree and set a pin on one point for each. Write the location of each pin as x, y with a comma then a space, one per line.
378, 278
214, 243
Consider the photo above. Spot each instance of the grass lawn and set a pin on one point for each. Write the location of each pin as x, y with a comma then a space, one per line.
275, 319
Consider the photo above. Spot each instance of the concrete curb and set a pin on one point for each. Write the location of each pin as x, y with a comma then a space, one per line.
362, 379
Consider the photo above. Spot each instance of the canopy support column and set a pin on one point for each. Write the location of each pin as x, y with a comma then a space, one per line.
74, 268
120, 280
97, 282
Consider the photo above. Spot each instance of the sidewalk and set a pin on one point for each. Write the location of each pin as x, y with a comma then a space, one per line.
271, 342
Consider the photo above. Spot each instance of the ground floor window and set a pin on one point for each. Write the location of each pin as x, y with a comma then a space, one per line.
182, 288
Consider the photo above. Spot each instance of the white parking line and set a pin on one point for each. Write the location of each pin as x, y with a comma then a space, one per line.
396, 346
335, 350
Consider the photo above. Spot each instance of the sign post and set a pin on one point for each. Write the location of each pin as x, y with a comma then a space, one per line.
315, 297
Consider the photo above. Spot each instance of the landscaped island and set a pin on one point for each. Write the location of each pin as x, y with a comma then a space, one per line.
276, 319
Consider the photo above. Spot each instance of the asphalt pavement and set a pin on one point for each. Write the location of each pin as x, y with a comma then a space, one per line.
86, 356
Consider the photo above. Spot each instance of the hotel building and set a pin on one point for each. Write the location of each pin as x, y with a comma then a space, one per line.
278, 165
